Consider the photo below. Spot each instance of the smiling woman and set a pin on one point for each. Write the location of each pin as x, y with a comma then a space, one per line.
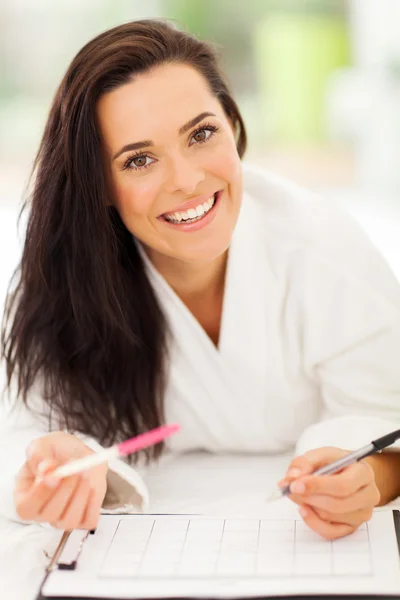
164, 280
186, 177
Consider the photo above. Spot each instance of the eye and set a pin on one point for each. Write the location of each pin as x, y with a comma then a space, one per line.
138, 161
203, 134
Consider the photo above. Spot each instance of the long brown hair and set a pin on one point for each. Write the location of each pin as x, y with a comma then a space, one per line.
82, 319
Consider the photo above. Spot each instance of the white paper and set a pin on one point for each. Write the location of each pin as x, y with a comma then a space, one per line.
145, 556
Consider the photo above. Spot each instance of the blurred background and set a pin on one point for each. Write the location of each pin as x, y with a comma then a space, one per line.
318, 83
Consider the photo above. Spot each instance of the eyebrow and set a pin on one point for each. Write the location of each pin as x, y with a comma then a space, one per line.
182, 130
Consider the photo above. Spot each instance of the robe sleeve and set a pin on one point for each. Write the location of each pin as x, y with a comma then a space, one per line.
351, 339
126, 491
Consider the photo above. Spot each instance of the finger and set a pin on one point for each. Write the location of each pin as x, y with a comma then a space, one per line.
366, 497
75, 509
298, 467
44, 470
339, 485
52, 510
91, 515
28, 502
38, 451
309, 462
27, 474
33, 489
58, 446
328, 530
319, 457
354, 519
24, 479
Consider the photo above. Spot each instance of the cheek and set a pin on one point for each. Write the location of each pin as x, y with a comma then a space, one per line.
134, 197
227, 165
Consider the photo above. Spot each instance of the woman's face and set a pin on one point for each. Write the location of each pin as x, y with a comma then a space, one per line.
171, 161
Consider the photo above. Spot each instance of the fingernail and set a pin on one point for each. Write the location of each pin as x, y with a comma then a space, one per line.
293, 473
297, 487
283, 483
303, 511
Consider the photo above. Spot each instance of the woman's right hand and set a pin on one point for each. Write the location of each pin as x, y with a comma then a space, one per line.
73, 502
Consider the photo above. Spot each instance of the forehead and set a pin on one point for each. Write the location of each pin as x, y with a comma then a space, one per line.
162, 99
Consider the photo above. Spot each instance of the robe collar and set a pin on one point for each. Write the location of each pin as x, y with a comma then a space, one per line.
217, 383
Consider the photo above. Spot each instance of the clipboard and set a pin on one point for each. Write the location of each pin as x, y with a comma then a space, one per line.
72, 544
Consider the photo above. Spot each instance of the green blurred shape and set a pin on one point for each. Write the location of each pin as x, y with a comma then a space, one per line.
192, 14
294, 54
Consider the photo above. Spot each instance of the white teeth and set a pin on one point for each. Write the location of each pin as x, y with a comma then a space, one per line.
192, 213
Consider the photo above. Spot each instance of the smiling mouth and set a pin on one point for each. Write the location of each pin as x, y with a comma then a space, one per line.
193, 214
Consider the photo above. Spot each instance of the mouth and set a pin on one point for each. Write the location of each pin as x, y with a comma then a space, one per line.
193, 215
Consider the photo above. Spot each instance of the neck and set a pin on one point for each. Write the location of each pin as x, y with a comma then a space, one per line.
192, 280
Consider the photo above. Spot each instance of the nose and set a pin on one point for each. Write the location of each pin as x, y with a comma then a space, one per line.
183, 175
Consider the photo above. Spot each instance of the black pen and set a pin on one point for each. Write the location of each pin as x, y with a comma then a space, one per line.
372, 448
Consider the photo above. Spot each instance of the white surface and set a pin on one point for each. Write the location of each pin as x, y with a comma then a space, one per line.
213, 557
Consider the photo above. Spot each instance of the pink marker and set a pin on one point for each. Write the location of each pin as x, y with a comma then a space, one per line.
135, 444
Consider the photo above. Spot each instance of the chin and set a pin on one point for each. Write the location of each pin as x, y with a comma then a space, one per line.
206, 252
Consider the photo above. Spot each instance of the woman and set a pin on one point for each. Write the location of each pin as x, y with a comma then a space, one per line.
163, 280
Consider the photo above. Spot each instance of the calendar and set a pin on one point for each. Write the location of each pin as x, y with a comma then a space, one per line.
188, 556
184, 547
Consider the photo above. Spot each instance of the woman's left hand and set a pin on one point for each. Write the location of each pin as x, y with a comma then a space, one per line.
332, 505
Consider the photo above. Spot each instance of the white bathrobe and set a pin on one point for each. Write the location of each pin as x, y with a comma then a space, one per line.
309, 350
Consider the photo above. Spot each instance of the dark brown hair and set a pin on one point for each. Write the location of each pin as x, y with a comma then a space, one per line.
83, 320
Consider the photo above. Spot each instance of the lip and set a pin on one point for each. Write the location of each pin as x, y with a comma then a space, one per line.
203, 222
184, 206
